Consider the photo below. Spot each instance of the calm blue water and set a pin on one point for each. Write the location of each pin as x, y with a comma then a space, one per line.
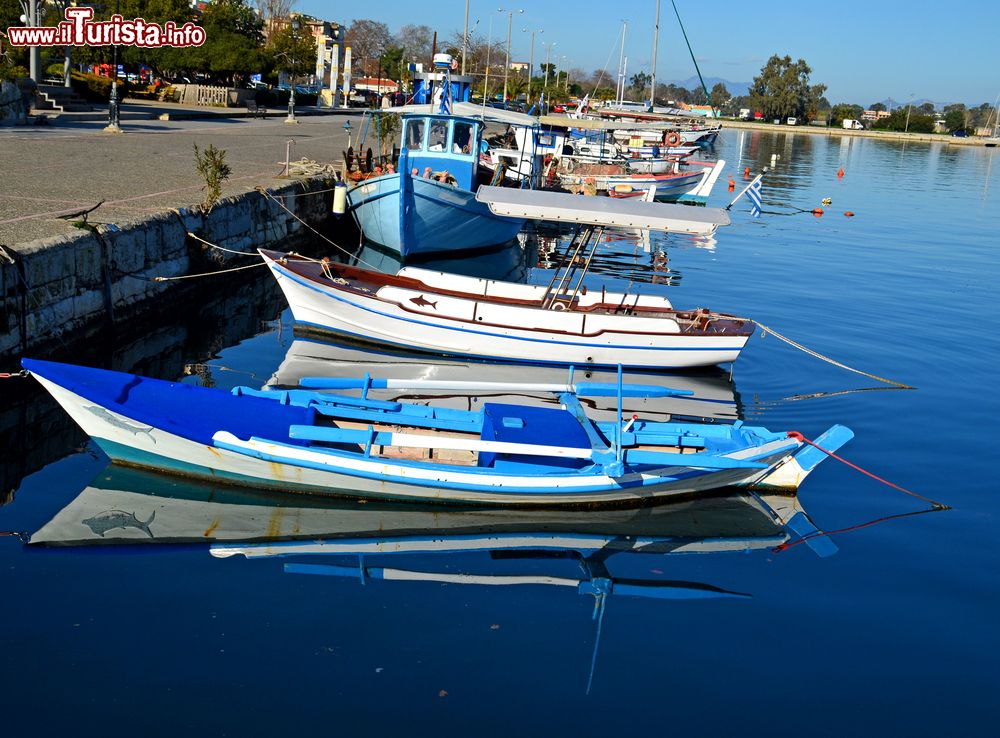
894, 634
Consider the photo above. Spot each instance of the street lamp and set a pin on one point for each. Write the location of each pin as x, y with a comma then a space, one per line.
489, 48
506, 66
548, 64
114, 115
291, 97
531, 60
906, 128
566, 87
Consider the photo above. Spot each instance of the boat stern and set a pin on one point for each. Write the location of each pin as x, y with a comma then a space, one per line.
792, 471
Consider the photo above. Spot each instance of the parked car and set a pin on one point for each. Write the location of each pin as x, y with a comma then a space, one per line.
558, 108
792, 121
960, 133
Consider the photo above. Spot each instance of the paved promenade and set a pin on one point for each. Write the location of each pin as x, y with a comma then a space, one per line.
71, 164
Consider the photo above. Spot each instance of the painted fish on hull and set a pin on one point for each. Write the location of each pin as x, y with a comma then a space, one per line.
111, 519
110, 419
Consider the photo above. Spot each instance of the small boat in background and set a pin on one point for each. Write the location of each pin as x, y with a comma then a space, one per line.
503, 455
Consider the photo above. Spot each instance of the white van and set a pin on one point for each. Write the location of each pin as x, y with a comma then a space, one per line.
792, 121
851, 124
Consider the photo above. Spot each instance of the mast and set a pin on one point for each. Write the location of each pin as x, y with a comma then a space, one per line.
621, 65
656, 42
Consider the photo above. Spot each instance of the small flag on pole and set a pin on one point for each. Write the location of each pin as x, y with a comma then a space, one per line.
753, 194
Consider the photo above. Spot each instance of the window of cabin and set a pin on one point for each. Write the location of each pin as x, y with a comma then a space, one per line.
462, 138
414, 137
437, 140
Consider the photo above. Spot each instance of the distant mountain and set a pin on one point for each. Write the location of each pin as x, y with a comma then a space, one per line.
693, 83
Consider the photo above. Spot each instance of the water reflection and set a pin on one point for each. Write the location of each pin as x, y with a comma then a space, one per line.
598, 554
713, 395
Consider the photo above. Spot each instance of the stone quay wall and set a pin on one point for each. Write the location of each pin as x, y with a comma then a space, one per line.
57, 291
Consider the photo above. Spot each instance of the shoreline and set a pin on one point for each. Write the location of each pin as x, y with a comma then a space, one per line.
884, 135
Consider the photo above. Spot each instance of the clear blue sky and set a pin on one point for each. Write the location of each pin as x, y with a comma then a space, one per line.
863, 50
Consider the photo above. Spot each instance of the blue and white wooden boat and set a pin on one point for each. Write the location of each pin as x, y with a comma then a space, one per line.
411, 212
303, 440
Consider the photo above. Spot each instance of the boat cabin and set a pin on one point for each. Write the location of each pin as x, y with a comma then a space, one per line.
443, 143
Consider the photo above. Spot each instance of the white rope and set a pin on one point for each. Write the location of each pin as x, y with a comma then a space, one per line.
827, 359
220, 248
208, 274
335, 245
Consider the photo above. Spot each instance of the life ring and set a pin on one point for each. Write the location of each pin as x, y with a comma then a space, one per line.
672, 139
569, 165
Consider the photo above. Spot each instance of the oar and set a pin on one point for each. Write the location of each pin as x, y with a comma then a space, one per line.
589, 389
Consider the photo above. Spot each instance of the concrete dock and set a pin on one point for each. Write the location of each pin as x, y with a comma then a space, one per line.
60, 284
71, 164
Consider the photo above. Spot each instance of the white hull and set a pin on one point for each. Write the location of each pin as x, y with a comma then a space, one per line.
447, 325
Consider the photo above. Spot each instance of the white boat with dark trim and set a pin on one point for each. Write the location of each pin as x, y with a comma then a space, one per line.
301, 440
441, 313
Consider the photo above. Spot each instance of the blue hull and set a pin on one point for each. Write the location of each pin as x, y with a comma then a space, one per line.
442, 217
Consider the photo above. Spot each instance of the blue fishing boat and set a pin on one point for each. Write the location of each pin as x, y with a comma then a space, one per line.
428, 204
502, 455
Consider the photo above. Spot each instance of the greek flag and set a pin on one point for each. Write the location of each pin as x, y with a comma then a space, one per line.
446, 97
753, 194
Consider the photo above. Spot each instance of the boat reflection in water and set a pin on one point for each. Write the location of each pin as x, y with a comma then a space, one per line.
569, 550
713, 395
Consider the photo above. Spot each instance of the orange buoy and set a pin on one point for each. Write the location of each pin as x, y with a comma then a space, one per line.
840, 172
849, 214
746, 173
817, 212
732, 183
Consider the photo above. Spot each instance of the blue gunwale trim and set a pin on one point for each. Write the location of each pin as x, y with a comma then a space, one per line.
305, 283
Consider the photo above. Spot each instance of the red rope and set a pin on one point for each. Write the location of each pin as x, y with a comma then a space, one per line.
784, 546
799, 437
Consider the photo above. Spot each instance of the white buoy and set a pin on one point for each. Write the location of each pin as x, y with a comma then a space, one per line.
340, 199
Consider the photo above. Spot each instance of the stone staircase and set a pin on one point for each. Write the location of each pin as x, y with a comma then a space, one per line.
54, 98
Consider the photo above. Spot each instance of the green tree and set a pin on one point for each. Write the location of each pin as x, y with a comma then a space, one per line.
720, 97
844, 111
897, 121
878, 107
234, 35
290, 45
783, 89
955, 118
639, 83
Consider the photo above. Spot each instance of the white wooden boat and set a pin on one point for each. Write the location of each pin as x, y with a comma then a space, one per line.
441, 313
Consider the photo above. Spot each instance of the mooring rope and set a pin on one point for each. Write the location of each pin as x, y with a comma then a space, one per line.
220, 248
337, 246
802, 439
208, 274
816, 354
